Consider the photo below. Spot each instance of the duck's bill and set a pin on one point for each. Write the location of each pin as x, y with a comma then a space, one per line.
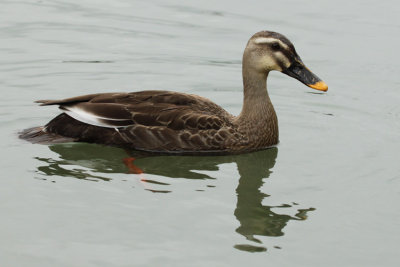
303, 74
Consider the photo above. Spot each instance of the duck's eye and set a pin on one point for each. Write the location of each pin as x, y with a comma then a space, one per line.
275, 46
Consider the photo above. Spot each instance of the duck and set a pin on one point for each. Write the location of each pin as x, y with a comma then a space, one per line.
180, 123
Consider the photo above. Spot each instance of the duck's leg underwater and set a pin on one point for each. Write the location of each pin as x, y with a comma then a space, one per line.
132, 168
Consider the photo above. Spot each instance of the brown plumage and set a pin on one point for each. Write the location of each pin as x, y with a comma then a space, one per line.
172, 122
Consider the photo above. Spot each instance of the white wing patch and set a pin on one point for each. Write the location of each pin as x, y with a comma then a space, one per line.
90, 118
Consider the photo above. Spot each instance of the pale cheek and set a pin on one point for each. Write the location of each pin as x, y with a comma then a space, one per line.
282, 58
270, 64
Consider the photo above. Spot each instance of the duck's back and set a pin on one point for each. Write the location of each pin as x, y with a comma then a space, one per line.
159, 121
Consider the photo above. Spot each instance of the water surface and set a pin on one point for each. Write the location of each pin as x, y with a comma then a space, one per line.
326, 196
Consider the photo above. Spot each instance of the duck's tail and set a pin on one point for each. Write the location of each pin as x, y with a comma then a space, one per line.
39, 135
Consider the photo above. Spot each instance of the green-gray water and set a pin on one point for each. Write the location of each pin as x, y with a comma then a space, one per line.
326, 196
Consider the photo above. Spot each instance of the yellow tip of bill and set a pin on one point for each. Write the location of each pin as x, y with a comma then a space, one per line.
319, 86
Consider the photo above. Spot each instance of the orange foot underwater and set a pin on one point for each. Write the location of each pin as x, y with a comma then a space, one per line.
131, 166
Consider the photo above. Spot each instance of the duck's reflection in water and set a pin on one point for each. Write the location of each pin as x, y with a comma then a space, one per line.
93, 162
255, 218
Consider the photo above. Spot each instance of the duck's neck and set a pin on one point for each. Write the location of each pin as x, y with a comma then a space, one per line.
256, 102
256, 98
258, 117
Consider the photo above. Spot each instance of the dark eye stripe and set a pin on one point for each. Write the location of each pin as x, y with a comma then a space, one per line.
287, 53
275, 46
284, 46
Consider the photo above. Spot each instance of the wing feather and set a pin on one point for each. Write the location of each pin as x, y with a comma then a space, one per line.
147, 120
99, 114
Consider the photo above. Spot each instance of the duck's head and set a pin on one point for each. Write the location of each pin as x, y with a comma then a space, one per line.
267, 51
